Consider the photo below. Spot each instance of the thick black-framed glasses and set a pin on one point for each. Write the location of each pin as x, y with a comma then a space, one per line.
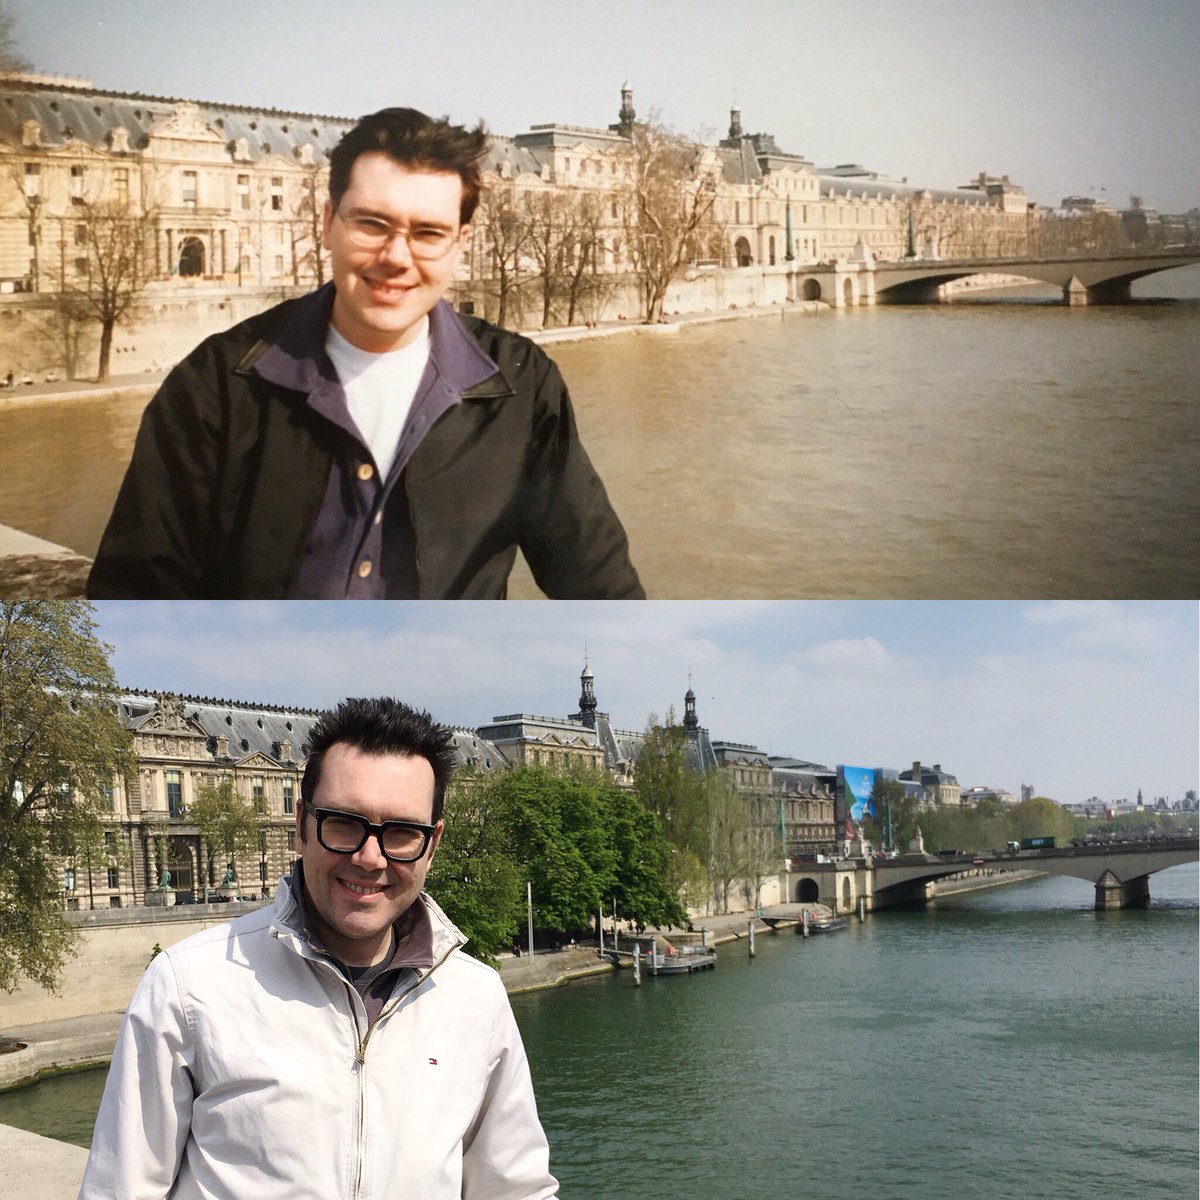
346, 833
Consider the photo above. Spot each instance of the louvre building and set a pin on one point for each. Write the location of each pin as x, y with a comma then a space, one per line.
185, 743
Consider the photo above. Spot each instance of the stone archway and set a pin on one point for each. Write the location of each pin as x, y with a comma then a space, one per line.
181, 864
191, 257
741, 253
807, 891
812, 289
849, 296
847, 894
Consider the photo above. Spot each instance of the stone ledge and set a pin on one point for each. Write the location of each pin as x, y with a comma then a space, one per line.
32, 568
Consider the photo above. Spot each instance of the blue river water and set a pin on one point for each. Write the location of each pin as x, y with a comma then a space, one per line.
999, 1045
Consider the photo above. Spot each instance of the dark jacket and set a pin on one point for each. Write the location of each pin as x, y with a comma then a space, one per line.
230, 469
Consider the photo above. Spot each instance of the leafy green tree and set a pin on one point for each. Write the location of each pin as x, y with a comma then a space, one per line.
94, 846
670, 789
1040, 817
558, 836
906, 815
227, 822
642, 887
729, 824
474, 876
61, 743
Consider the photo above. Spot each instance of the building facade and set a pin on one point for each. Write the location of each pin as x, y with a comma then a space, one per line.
231, 199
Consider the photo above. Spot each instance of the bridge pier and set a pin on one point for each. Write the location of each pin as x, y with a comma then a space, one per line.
1112, 893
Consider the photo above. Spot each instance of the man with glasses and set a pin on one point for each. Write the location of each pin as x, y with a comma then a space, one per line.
339, 1042
366, 441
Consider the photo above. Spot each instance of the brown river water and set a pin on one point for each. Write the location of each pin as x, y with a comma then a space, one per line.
1002, 447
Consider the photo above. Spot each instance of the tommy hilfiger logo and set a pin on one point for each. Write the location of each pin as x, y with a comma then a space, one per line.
433, 1062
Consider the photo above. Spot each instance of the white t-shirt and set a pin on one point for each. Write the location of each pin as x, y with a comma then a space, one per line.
380, 389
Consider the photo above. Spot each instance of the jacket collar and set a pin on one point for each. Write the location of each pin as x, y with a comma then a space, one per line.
296, 358
289, 922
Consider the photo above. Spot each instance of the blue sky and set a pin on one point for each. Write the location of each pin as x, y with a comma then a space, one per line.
1077, 698
1066, 96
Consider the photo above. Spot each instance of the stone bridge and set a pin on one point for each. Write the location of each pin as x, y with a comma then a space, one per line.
1102, 279
1119, 871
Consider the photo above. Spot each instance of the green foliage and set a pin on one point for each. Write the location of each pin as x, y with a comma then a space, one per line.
670, 789
226, 821
579, 840
61, 741
473, 877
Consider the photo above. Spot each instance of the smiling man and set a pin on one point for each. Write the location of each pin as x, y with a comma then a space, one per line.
366, 441
340, 1042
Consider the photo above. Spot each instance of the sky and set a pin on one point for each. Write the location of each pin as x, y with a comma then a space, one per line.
1079, 699
1067, 97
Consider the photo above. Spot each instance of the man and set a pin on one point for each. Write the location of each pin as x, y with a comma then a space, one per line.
340, 1042
365, 441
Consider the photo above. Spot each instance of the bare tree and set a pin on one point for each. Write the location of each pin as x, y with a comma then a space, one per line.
505, 229
672, 193
105, 262
306, 229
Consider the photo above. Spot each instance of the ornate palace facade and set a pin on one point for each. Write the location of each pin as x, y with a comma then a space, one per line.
183, 744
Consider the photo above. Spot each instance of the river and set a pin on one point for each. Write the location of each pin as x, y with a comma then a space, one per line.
974, 449
1001, 1045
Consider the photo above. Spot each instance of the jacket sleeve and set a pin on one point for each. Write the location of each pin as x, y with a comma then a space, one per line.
146, 1111
573, 541
505, 1152
158, 539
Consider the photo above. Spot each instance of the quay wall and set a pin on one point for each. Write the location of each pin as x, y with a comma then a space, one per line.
114, 950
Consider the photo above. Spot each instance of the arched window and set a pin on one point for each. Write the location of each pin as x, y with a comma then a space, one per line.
191, 256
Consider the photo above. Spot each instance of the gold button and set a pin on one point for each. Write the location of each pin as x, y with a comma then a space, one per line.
365, 471
364, 569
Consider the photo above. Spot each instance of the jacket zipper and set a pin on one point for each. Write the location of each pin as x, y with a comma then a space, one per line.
361, 1059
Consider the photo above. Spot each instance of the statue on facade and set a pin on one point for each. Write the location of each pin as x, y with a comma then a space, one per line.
164, 881
228, 880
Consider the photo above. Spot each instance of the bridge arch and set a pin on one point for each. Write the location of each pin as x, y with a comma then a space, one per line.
849, 292
847, 894
811, 289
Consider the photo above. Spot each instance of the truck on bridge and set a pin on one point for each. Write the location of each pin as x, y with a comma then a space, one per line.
1037, 843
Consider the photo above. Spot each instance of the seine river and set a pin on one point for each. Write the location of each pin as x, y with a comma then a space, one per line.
1000, 1045
973, 449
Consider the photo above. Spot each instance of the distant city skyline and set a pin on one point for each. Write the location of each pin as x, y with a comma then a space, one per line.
1067, 97
1078, 699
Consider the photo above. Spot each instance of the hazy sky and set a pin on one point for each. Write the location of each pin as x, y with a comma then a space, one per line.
1098, 97
1079, 699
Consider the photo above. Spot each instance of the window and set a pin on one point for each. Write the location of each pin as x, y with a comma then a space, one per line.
114, 877
77, 184
110, 842
121, 185
279, 264
289, 797
106, 794
277, 193
81, 235
81, 266
188, 189
256, 790
174, 794
114, 902
33, 179
243, 192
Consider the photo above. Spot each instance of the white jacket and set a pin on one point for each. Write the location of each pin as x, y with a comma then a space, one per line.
244, 1071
